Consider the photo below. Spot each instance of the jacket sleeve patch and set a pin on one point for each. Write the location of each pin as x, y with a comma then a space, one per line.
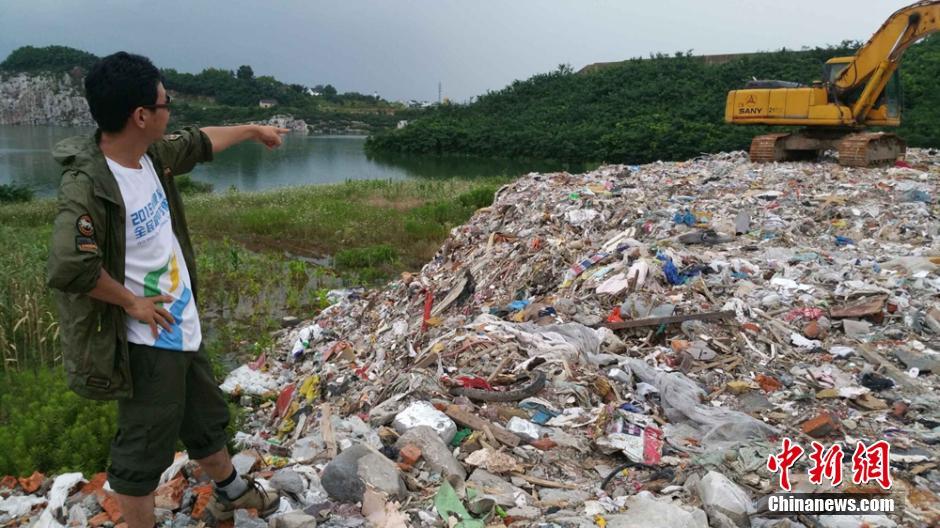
84, 226
86, 244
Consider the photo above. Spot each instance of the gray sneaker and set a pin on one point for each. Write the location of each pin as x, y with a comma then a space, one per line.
255, 497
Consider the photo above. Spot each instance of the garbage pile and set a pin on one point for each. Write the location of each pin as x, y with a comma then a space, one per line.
629, 347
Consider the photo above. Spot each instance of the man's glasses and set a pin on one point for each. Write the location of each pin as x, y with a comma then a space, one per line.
155, 106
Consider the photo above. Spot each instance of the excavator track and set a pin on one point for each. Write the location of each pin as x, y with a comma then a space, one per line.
768, 148
870, 148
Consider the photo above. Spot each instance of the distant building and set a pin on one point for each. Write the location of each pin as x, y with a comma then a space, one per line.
314, 93
402, 124
267, 103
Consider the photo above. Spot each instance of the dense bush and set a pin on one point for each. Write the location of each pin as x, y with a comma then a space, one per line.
15, 193
641, 110
44, 426
187, 185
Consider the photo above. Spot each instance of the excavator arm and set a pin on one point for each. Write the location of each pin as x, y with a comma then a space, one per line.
875, 62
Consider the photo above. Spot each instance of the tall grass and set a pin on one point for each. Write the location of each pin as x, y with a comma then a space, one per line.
254, 254
28, 325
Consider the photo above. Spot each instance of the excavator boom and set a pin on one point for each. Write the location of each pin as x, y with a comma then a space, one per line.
861, 91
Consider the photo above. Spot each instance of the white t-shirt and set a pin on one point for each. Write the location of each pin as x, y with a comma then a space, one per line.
154, 263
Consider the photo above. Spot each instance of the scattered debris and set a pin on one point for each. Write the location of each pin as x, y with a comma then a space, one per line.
625, 347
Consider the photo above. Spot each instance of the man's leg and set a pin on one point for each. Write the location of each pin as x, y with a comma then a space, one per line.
205, 420
138, 511
218, 465
148, 428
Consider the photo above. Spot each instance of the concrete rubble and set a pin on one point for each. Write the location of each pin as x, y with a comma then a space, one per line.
623, 348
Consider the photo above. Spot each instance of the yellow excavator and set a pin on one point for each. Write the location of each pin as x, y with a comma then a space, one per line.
856, 92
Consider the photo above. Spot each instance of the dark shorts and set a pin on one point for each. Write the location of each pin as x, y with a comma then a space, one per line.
175, 397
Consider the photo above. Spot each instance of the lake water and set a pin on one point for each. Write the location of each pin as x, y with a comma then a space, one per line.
25, 160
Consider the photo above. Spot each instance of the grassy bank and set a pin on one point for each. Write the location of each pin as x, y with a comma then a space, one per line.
259, 257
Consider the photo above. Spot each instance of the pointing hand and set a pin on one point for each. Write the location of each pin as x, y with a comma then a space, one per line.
270, 136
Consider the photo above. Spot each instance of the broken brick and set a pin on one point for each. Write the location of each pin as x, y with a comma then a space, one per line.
32, 483
544, 443
8, 482
96, 483
170, 495
768, 383
820, 426
203, 496
110, 505
409, 454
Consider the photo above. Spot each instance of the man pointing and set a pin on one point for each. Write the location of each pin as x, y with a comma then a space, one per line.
122, 267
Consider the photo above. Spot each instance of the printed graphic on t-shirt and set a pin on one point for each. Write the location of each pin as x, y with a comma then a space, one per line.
146, 220
174, 338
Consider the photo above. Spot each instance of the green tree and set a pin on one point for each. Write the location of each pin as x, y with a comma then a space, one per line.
50, 58
641, 110
245, 73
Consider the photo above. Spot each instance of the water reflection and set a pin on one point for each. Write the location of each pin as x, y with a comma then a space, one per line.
25, 159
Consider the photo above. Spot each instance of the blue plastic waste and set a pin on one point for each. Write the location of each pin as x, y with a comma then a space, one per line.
684, 217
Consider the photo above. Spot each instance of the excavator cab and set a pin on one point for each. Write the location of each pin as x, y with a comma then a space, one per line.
834, 68
887, 108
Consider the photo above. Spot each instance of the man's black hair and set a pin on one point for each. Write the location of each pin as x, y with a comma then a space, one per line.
118, 84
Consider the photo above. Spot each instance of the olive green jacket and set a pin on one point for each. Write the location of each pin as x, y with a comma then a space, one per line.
89, 235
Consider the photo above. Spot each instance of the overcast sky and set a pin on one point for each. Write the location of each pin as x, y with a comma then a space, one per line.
403, 48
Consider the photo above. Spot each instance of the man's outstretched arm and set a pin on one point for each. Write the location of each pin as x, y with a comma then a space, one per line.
225, 136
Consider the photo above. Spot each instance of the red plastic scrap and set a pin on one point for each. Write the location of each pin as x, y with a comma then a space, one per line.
363, 371
428, 302
474, 382
284, 399
615, 316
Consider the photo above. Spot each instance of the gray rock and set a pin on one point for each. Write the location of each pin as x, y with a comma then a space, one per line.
243, 520
288, 481
289, 321
186, 505
433, 450
308, 447
345, 478
295, 519
918, 360
753, 401
382, 474
492, 487
78, 517
161, 514
182, 521
762, 522
90, 503
570, 520
563, 498
340, 477
525, 512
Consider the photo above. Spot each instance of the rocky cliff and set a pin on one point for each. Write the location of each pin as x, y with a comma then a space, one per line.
44, 99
